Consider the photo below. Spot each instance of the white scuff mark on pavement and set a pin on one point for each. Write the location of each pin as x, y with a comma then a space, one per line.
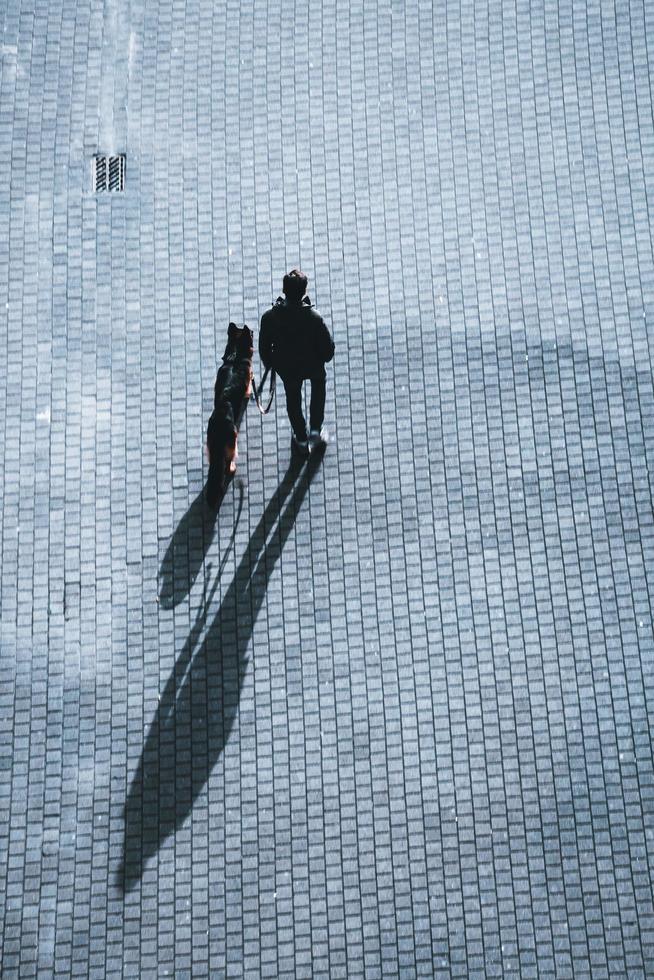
133, 50
9, 62
113, 98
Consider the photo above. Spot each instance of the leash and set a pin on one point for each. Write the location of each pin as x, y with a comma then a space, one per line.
258, 390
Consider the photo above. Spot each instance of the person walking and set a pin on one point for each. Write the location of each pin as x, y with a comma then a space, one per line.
295, 342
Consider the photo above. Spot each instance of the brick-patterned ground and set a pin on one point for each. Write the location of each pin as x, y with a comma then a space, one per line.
388, 715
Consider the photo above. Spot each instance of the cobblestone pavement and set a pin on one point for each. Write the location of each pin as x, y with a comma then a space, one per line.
389, 713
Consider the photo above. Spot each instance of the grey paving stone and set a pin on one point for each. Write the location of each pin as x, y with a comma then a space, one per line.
392, 720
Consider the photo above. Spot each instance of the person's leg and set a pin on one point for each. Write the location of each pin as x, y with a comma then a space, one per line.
317, 408
293, 388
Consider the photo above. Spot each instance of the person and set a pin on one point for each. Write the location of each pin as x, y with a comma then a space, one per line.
295, 342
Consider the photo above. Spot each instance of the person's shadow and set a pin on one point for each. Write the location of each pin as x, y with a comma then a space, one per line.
199, 703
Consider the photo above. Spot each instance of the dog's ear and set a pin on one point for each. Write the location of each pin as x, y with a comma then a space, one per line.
246, 339
232, 331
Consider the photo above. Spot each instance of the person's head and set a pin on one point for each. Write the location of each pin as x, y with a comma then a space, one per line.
295, 285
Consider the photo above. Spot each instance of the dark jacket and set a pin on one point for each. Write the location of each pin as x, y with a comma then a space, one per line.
294, 340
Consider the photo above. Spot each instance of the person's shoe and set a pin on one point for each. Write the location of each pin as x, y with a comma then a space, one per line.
318, 439
301, 447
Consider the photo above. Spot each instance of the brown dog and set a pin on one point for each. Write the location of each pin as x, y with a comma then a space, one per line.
231, 393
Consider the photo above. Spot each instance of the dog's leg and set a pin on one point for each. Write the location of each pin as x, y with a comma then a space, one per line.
231, 455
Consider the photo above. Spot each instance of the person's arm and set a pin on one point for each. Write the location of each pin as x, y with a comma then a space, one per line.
265, 341
326, 342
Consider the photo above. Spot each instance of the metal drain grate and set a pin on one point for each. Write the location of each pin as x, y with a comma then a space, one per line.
109, 173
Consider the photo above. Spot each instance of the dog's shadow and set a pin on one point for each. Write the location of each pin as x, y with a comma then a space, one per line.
199, 704
189, 546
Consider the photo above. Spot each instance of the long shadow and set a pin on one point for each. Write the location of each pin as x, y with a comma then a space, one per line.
198, 706
188, 548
